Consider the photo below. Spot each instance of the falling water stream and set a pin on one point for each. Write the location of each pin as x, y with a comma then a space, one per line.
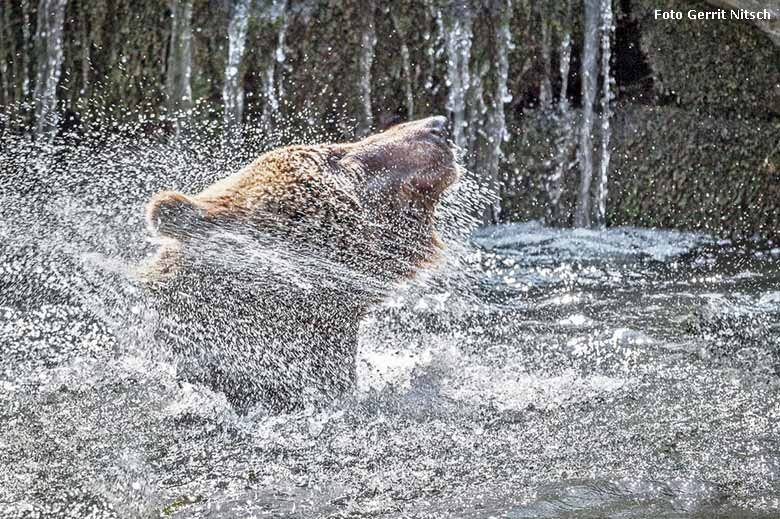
589, 73
606, 111
496, 127
456, 27
51, 16
233, 90
273, 80
406, 65
179, 62
364, 63
564, 124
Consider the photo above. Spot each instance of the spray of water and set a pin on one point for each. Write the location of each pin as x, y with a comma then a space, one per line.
533, 358
265, 280
526, 376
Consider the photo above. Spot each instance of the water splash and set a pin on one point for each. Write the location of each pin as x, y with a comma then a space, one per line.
233, 88
528, 377
51, 16
533, 357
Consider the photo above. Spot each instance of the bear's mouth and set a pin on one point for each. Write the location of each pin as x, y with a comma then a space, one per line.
424, 185
435, 182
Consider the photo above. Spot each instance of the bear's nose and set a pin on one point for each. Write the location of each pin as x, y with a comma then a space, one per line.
437, 126
435, 122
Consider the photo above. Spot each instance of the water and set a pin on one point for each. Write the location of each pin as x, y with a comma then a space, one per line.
607, 28
364, 61
179, 62
457, 33
477, 88
51, 16
233, 89
470, 56
25, 59
538, 373
496, 124
406, 64
274, 81
598, 23
564, 125
589, 73
545, 83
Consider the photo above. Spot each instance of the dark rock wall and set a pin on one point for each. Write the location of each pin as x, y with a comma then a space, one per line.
696, 132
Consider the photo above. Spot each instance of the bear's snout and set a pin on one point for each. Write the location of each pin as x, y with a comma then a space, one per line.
431, 129
437, 128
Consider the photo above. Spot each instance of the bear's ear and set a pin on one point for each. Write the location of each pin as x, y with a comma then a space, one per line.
174, 215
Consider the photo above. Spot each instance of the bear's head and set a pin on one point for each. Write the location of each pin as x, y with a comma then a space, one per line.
364, 209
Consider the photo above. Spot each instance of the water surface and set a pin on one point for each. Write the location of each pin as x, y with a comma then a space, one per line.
537, 373
563, 373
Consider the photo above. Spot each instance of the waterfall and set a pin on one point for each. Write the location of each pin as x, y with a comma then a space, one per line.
233, 89
25, 61
273, 85
589, 75
51, 16
5, 87
564, 126
606, 96
406, 65
477, 92
496, 128
436, 47
457, 39
179, 63
545, 88
365, 60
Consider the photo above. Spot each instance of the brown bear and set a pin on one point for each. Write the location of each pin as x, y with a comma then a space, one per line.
261, 280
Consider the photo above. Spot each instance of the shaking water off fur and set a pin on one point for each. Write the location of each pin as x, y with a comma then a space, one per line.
358, 218
319, 330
